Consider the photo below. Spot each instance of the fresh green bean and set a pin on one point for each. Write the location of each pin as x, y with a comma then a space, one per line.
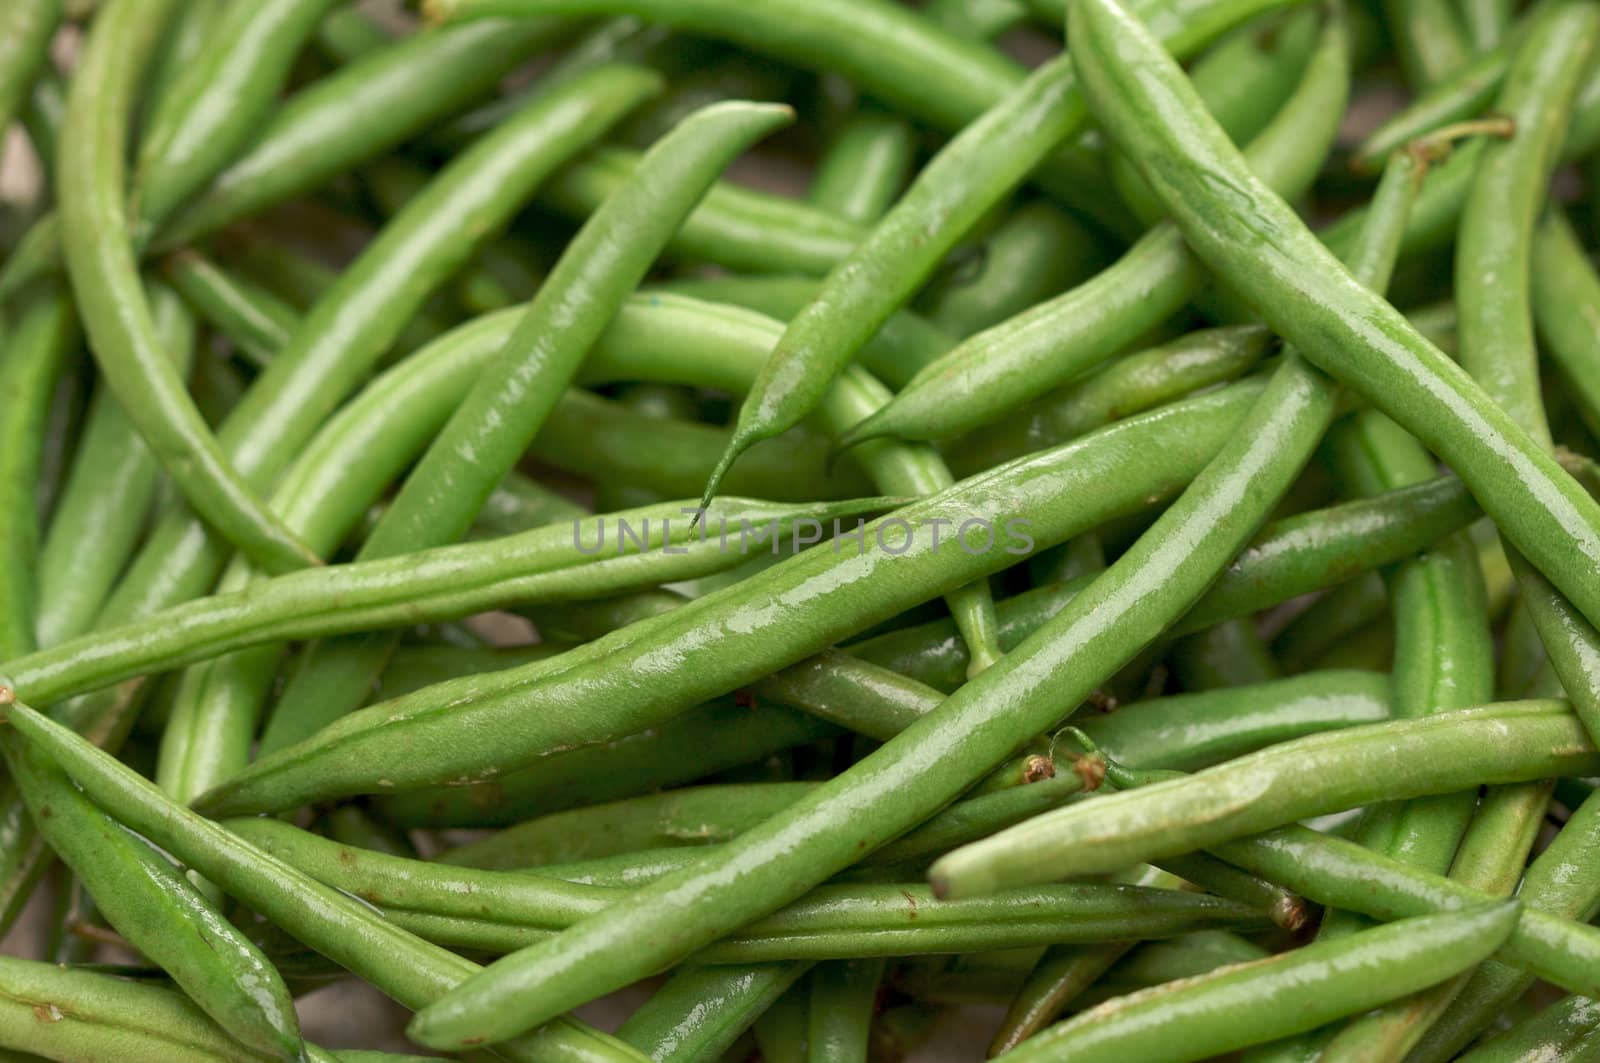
508, 404
843, 995
117, 318
702, 1010
1485, 21
342, 928
1563, 1030
734, 226
33, 348
1306, 776
42, 115
254, 320
865, 167
26, 31
1538, 507
963, 181
1022, 358
106, 499
1566, 298
694, 816
1247, 1004
1429, 37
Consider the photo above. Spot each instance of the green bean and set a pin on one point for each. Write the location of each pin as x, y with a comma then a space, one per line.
1231, 654
182, 46
1566, 296
42, 115
865, 167
1061, 975
347, 34
781, 1030
219, 101
344, 929
499, 417
843, 995
701, 1011
1306, 776
1429, 37
1029, 486
1131, 384
1347, 609
116, 315
694, 816
978, 167
1563, 1030
980, 19
106, 499
737, 227
1185, 731
1294, 556
719, 735
1250, 1003
904, 344
440, 584
1035, 252
1305, 297
157, 910
33, 348
928, 764
358, 113
1485, 21
254, 320
1020, 359
26, 31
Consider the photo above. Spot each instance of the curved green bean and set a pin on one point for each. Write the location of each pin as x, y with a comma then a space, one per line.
117, 318
25, 33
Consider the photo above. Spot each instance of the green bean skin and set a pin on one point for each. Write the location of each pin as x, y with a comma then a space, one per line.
254, 320
734, 226
1247, 1004
1048, 345
1537, 739
358, 113
106, 499
219, 101
340, 927
1314, 303
1485, 21
1185, 731
1294, 556
702, 1010
693, 816
1464, 94
1566, 304
1035, 252
33, 348
26, 30
465, 579
843, 993
487, 434
106, 285
811, 623
1098, 633
962, 182
865, 167
1494, 249
158, 910
1429, 37
1563, 1030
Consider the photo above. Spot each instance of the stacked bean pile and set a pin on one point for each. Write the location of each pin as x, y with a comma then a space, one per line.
1144, 573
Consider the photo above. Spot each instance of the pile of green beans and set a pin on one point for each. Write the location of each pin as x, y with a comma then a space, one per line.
800, 530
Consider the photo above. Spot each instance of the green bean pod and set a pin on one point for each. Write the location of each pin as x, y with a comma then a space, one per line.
105, 279
254, 320
218, 102
702, 1010
341, 927
1563, 1030
979, 166
1306, 777
106, 499
865, 167
843, 993
1250, 1003
1566, 305
158, 911
1022, 358
1429, 37
1313, 302
26, 31
487, 434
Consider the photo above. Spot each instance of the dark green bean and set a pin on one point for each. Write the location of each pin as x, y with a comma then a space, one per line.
1429, 37
1566, 298
26, 30
843, 996
701, 1011
1563, 1030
